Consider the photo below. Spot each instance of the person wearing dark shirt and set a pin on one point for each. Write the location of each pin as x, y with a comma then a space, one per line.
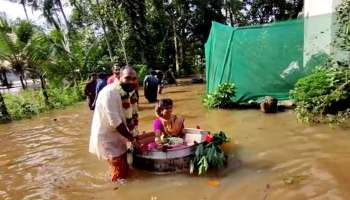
90, 90
150, 86
101, 83
170, 77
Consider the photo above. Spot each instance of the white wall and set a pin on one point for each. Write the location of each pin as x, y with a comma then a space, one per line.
318, 26
317, 7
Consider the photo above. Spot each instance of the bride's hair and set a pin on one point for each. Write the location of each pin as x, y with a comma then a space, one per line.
162, 104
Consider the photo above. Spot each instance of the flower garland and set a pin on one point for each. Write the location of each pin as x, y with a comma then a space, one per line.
130, 109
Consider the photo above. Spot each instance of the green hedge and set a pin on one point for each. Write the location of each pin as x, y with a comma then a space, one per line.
31, 102
323, 96
141, 71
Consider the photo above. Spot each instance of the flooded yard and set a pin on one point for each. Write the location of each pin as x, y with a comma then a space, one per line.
271, 156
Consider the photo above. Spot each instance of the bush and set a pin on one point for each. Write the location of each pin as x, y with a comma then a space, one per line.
61, 97
24, 105
221, 97
31, 102
323, 96
142, 72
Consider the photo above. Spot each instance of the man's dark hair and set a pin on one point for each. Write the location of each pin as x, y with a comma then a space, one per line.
153, 73
102, 75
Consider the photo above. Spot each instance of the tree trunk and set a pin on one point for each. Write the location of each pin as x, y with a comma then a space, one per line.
181, 53
105, 34
231, 19
4, 79
177, 66
58, 18
4, 115
43, 88
22, 82
65, 36
63, 14
194, 61
225, 4
123, 45
25, 9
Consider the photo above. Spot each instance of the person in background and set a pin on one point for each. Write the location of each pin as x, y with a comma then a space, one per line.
170, 77
101, 83
150, 87
115, 75
113, 123
160, 76
90, 90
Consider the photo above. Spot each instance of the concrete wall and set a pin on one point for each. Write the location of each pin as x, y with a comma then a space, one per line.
319, 28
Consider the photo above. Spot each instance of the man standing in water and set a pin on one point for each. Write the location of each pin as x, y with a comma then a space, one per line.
114, 123
115, 75
150, 87
90, 90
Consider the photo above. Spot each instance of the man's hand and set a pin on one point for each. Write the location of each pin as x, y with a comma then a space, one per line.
137, 145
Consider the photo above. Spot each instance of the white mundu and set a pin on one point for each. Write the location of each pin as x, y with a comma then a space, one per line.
105, 141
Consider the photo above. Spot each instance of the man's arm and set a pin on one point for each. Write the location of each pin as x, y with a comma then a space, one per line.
134, 140
114, 118
124, 132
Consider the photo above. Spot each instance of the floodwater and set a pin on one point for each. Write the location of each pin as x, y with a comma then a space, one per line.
270, 157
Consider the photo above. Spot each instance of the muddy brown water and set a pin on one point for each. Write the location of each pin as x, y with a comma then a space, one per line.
44, 158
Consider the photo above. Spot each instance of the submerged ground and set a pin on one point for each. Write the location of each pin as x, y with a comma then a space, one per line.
47, 157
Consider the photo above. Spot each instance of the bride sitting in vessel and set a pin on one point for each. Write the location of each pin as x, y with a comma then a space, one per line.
167, 124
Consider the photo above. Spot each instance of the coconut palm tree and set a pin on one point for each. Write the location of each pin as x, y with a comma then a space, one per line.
39, 59
23, 3
12, 46
11, 52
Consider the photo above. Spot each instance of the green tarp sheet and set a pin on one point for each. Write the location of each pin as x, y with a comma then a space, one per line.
264, 60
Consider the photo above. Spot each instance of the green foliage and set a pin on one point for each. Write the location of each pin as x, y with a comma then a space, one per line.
144, 31
61, 97
221, 97
342, 39
24, 105
31, 102
323, 96
24, 31
159, 34
343, 21
142, 72
4, 115
209, 155
262, 11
